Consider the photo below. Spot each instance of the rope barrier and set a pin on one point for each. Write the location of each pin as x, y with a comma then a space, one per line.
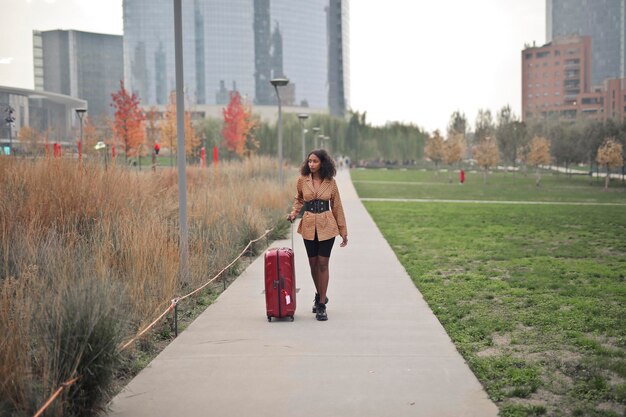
226, 267
176, 300
172, 305
55, 395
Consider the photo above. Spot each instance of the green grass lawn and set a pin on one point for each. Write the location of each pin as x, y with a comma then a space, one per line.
533, 296
500, 186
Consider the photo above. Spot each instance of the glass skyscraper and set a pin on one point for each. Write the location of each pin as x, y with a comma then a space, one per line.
603, 21
240, 45
79, 64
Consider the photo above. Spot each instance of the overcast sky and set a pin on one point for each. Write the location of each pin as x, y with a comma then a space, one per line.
414, 61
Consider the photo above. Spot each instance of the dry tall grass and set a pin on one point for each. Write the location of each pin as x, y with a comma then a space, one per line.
89, 256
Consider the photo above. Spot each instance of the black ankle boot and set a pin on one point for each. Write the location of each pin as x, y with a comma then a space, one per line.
316, 301
321, 312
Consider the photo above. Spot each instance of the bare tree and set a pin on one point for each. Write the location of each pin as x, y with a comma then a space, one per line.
484, 125
510, 134
457, 124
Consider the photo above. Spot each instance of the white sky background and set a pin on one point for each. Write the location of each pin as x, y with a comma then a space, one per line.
414, 61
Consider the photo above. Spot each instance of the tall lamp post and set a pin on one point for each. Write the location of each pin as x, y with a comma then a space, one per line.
280, 82
10, 119
303, 117
316, 131
327, 138
80, 113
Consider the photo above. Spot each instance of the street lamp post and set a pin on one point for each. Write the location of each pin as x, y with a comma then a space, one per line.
327, 138
280, 82
319, 141
80, 113
10, 119
316, 131
303, 117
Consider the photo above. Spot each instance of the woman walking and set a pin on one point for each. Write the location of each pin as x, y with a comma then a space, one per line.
323, 219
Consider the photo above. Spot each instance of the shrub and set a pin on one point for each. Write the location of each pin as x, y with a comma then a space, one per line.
81, 247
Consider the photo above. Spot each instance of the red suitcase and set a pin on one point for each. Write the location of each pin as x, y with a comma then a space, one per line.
280, 283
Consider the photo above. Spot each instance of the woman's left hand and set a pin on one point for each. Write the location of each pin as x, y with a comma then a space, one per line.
344, 241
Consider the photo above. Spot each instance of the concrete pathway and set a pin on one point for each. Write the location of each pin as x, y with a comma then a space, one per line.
381, 353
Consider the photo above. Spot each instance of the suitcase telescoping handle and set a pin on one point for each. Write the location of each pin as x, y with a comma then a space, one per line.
291, 221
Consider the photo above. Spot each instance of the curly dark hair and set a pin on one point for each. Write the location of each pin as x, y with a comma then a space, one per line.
327, 168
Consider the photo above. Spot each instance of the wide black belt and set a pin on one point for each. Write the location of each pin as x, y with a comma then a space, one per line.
317, 206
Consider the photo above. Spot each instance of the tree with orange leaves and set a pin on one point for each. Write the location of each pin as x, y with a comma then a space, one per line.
128, 122
434, 149
169, 134
610, 155
238, 124
538, 154
487, 155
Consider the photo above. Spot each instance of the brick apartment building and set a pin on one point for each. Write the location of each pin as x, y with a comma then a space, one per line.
556, 82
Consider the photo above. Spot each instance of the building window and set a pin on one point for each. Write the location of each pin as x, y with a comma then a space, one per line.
529, 55
543, 54
557, 53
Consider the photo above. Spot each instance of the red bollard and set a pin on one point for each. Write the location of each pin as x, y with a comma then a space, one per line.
215, 155
113, 152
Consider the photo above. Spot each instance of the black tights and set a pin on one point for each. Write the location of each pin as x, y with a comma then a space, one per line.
319, 272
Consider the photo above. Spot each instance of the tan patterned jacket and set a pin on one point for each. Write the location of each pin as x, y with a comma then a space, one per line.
329, 223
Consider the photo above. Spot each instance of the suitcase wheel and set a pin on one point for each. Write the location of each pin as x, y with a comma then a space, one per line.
269, 318
292, 318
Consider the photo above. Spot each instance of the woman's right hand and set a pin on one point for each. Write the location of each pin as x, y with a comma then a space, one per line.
291, 218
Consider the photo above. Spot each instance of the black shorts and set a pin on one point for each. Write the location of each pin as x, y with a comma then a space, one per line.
316, 248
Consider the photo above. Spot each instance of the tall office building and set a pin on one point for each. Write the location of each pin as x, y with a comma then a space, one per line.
556, 83
84, 65
603, 21
240, 45
338, 56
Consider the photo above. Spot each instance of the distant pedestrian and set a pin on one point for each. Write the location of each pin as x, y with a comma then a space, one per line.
322, 221
462, 176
